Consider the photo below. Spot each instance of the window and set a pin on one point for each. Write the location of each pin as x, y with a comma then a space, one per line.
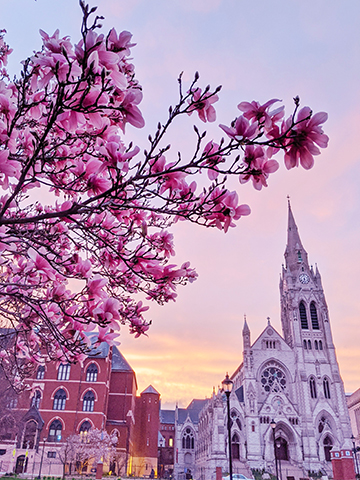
326, 386
303, 317
92, 373
314, 317
84, 428
12, 403
147, 442
64, 372
171, 442
309, 344
51, 454
320, 345
316, 345
312, 384
305, 344
299, 256
55, 431
148, 417
59, 400
40, 372
30, 434
188, 439
273, 380
88, 402
35, 401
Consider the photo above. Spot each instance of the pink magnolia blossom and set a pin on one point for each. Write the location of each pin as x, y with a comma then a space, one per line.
259, 167
212, 159
302, 137
241, 130
260, 113
202, 103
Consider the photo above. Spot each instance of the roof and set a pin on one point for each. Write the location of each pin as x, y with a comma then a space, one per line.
193, 410
118, 362
167, 416
150, 389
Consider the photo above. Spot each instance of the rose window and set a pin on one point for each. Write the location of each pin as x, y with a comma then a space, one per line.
273, 380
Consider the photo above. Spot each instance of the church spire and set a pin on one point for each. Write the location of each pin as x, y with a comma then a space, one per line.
295, 253
246, 335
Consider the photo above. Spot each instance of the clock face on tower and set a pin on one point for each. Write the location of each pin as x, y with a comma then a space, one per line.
304, 278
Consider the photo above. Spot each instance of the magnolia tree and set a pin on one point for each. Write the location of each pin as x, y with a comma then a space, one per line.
84, 216
88, 448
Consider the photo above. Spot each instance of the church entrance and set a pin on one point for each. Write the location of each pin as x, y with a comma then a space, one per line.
327, 448
281, 449
21, 464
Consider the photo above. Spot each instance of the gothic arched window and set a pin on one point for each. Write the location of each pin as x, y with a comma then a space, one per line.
88, 402
320, 345
64, 371
316, 345
235, 447
305, 344
91, 373
55, 431
309, 344
314, 317
30, 434
59, 400
188, 439
327, 447
40, 373
84, 428
303, 317
35, 401
326, 386
312, 384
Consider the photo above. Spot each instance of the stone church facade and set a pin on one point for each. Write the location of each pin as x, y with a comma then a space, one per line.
292, 379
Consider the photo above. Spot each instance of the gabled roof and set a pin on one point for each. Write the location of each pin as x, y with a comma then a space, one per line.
274, 335
118, 362
192, 411
150, 389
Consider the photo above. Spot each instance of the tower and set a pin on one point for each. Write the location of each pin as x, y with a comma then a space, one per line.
307, 330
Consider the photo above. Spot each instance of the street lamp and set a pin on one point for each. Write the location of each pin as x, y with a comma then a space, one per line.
41, 461
273, 426
355, 456
227, 385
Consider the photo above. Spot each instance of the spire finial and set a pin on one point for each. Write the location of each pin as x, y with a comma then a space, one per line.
288, 199
268, 319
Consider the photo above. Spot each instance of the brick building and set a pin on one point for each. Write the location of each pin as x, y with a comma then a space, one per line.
66, 399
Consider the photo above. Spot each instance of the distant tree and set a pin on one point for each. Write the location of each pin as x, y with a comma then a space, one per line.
84, 216
87, 448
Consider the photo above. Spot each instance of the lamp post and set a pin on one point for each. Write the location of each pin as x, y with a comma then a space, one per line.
278, 445
227, 385
41, 461
355, 456
273, 426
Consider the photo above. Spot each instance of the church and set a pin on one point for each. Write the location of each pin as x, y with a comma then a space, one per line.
287, 395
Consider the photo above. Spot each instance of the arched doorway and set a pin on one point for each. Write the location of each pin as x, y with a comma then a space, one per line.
282, 452
327, 447
21, 464
235, 447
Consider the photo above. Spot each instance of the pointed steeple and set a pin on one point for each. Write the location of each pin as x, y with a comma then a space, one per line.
295, 253
246, 335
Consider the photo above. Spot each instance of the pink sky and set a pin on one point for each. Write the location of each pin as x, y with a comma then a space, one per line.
257, 51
